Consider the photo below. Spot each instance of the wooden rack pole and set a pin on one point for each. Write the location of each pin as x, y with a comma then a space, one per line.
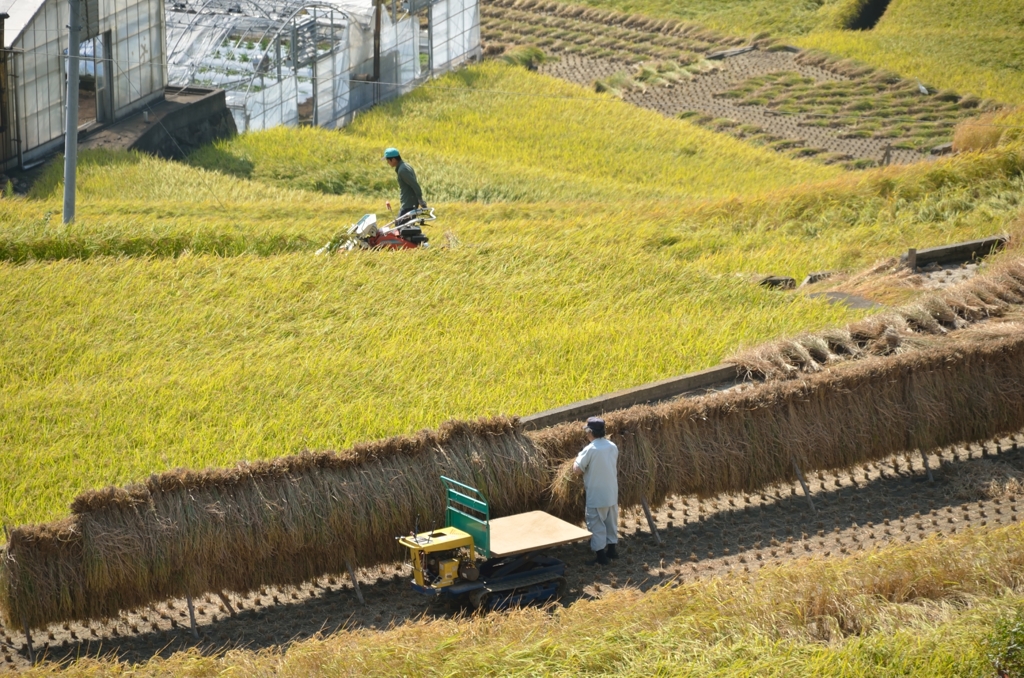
803, 484
28, 645
355, 582
650, 519
192, 616
227, 603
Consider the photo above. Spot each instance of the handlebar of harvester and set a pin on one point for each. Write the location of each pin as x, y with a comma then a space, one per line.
410, 217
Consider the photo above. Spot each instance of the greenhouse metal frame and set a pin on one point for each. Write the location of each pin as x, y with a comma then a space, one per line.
123, 47
318, 62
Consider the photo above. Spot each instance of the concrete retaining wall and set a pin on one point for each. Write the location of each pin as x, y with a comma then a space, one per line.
200, 117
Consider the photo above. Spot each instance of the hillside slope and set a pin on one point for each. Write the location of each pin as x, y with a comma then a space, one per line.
172, 355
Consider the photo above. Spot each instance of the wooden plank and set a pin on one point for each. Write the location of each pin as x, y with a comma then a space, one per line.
638, 395
531, 531
957, 252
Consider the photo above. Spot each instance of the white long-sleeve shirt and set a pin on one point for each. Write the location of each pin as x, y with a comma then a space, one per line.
599, 463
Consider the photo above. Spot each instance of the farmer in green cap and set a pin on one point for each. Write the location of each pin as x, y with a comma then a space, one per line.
412, 194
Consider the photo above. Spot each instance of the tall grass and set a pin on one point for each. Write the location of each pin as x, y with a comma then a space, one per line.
924, 610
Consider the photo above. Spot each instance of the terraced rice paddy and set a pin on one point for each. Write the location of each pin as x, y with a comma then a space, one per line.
973, 47
183, 322
562, 29
806, 105
858, 511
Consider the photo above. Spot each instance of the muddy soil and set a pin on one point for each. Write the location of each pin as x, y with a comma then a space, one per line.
855, 510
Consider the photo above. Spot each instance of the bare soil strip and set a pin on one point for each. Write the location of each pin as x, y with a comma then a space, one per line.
859, 509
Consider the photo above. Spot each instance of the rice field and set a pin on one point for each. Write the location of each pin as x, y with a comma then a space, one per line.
116, 367
970, 46
498, 133
584, 246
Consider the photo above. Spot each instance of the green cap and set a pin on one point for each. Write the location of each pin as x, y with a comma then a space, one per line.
391, 153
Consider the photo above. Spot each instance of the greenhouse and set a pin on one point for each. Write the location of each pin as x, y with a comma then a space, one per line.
290, 62
121, 69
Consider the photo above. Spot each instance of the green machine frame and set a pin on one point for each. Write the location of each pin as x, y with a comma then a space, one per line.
463, 507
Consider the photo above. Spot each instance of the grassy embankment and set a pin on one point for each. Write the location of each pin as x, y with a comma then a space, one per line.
925, 609
971, 46
114, 368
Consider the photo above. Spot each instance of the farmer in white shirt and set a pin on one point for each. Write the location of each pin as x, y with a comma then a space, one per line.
598, 464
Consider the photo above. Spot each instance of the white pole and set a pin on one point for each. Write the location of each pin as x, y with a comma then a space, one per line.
71, 127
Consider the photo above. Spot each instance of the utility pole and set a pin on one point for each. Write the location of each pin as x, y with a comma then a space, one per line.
376, 41
3, 72
71, 126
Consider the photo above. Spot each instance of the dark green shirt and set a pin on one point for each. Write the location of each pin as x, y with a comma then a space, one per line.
412, 196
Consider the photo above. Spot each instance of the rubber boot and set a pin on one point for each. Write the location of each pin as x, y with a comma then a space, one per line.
600, 558
610, 551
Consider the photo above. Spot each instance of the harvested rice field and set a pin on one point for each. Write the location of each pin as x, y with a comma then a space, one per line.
802, 104
891, 502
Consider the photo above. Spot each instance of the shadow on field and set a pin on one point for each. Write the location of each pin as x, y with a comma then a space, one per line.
874, 505
214, 158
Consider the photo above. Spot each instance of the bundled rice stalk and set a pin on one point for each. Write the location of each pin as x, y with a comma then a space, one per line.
985, 131
288, 520
985, 479
996, 293
740, 441
528, 57
270, 523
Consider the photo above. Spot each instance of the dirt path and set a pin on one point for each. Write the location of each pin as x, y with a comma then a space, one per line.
856, 510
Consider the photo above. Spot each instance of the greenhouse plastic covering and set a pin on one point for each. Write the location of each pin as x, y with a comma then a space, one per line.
122, 50
286, 63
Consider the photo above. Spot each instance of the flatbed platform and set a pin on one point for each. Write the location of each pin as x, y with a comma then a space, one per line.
532, 531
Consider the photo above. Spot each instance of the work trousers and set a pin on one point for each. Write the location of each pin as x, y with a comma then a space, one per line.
603, 524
